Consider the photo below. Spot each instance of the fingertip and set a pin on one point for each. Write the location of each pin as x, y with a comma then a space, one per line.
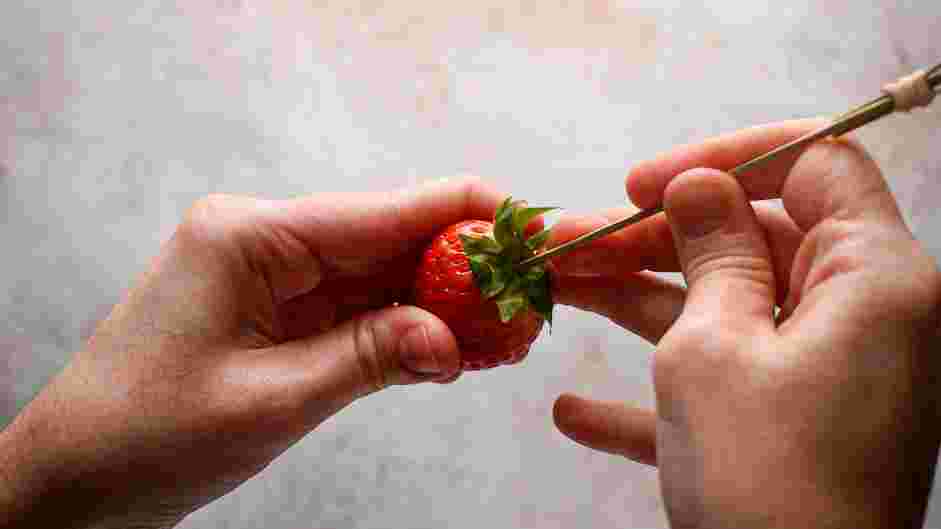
564, 410
444, 345
426, 347
699, 201
721, 246
610, 427
640, 185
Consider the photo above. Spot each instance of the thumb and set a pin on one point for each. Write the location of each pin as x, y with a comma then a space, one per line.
392, 346
722, 249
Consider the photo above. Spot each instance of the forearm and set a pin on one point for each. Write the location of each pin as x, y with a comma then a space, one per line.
38, 488
44, 482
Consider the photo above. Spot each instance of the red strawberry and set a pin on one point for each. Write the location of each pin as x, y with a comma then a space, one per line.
468, 276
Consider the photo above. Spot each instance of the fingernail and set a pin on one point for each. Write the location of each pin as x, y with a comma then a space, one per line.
700, 206
416, 353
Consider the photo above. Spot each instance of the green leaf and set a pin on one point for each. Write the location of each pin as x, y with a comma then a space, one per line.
516, 284
490, 279
481, 269
503, 224
497, 284
535, 273
510, 303
477, 245
540, 296
523, 216
494, 262
504, 209
536, 241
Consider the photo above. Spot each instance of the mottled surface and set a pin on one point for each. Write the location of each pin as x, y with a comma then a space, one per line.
115, 116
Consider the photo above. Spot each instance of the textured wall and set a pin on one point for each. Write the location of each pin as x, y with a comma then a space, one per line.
116, 115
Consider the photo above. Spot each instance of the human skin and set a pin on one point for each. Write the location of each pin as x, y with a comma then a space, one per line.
258, 320
823, 415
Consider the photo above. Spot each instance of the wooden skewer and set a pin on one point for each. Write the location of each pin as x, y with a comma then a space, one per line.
852, 120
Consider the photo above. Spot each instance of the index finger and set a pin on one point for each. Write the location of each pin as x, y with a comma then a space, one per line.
368, 227
647, 181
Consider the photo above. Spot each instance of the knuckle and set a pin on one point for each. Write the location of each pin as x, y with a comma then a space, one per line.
208, 207
736, 263
749, 267
667, 365
901, 277
923, 290
474, 186
834, 231
698, 346
842, 247
707, 336
219, 220
204, 220
367, 348
469, 179
836, 264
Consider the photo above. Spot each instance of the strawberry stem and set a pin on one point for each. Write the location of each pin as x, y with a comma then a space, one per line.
495, 262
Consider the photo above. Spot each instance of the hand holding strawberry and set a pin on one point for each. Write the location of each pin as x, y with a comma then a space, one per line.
259, 320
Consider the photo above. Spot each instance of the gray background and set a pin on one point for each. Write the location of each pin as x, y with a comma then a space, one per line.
116, 115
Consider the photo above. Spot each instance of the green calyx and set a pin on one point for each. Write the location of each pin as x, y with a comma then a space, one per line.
494, 260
